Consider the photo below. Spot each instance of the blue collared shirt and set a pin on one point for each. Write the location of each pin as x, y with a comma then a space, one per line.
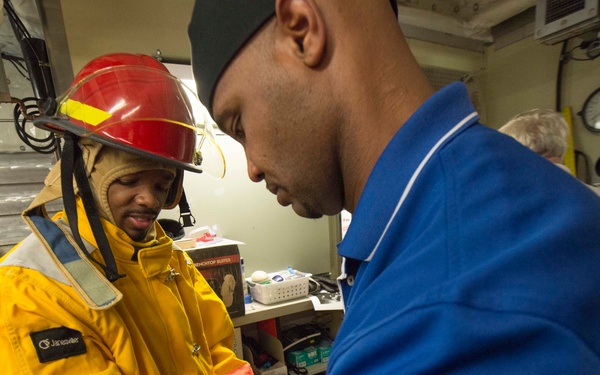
468, 253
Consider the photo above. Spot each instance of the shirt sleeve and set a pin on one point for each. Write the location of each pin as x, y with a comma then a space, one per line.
41, 334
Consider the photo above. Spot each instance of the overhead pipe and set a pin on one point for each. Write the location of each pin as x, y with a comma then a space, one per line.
491, 16
477, 28
435, 21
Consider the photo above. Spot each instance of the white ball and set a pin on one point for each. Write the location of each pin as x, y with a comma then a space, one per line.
258, 276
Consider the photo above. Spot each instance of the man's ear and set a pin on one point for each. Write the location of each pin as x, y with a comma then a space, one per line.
300, 23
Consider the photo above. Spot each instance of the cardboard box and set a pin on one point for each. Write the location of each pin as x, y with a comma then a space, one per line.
238, 349
219, 263
272, 346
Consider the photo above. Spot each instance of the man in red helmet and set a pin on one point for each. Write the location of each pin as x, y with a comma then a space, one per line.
100, 287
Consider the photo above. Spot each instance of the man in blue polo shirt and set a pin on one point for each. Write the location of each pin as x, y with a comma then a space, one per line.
467, 253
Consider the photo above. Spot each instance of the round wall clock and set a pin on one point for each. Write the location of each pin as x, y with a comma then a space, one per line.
590, 113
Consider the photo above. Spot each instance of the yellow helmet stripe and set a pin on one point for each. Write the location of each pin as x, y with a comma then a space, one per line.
83, 112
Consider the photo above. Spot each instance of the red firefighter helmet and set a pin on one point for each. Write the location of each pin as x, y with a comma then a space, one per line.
132, 102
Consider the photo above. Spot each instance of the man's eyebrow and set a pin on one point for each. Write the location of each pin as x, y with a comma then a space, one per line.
223, 116
166, 175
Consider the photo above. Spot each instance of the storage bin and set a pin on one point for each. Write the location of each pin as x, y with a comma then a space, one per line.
287, 289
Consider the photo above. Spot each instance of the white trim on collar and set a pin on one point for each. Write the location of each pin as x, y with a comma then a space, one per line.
416, 174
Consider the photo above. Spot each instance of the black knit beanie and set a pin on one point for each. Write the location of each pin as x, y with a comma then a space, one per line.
218, 30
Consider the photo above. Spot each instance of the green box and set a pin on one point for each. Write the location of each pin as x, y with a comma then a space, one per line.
312, 356
324, 352
298, 358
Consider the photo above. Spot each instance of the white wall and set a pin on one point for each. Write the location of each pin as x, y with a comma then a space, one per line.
96, 27
274, 236
520, 77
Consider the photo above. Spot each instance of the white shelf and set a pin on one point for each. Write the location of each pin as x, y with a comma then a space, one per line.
256, 311
317, 368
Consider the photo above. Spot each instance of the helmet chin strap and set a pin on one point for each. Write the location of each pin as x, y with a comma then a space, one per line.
72, 165
186, 218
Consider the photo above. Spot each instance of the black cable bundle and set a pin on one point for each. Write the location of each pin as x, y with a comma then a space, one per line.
35, 64
34, 55
24, 110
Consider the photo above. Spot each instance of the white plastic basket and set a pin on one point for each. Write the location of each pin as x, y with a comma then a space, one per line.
280, 291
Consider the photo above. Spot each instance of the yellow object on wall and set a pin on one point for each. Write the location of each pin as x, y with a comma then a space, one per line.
570, 154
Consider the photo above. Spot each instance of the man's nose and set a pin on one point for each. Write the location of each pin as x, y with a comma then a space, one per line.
147, 197
255, 174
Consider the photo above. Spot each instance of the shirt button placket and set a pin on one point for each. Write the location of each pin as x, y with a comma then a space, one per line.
350, 280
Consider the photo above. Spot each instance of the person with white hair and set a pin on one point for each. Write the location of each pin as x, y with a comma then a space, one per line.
544, 132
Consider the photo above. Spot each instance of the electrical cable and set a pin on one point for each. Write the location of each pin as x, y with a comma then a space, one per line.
582, 45
22, 113
586, 160
296, 370
565, 56
580, 59
18, 24
39, 72
33, 67
17, 63
561, 63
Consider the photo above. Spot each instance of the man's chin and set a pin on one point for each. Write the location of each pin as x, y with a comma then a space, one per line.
306, 212
137, 236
